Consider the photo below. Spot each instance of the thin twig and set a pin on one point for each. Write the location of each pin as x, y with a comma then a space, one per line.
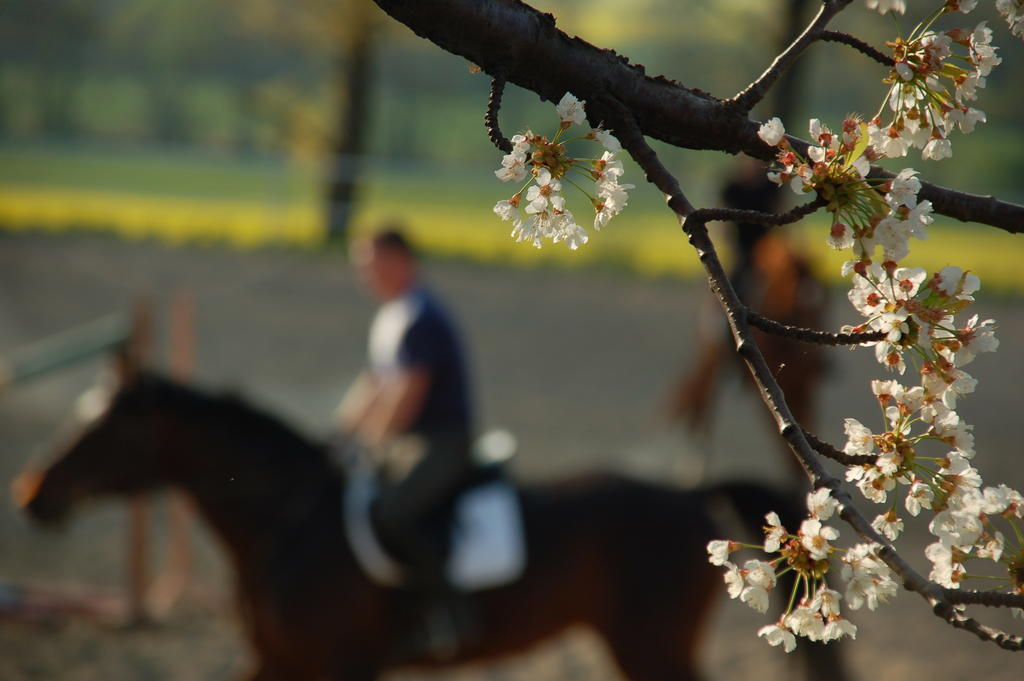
491, 116
761, 218
810, 335
986, 598
829, 452
631, 137
755, 92
859, 45
959, 620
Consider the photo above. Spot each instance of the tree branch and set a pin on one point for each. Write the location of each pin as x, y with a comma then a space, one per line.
511, 38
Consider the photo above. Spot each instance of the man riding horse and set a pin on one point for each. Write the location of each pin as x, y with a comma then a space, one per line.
411, 407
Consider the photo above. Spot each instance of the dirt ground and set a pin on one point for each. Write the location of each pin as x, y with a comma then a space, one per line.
577, 364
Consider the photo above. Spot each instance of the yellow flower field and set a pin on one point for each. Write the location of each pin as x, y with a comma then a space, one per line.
648, 243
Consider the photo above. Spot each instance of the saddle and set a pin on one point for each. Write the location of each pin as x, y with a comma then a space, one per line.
487, 543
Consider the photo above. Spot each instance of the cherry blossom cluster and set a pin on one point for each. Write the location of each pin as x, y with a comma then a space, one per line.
933, 79
544, 164
835, 168
813, 609
1013, 12
965, 516
979, 531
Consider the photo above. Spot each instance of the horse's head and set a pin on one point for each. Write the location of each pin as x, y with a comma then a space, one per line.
114, 450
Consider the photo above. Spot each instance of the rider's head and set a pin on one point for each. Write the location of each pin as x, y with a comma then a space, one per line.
386, 263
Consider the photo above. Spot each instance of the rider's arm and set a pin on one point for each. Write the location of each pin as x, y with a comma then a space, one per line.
358, 403
398, 402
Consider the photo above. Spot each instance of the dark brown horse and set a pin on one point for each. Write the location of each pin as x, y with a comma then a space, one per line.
623, 557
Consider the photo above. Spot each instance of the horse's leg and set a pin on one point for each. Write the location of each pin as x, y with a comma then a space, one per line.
654, 659
354, 671
656, 638
262, 673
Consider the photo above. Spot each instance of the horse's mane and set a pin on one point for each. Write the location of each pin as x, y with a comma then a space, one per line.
228, 411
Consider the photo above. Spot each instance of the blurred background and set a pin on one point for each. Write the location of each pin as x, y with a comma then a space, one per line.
223, 150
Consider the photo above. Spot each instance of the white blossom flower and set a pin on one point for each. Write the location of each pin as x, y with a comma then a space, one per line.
838, 627
965, 118
997, 500
887, 391
991, 546
521, 142
570, 110
774, 533
871, 482
756, 598
826, 601
719, 550
804, 621
868, 580
821, 504
859, 440
734, 584
888, 525
937, 149
972, 340
908, 281
777, 635
608, 140
955, 283
958, 383
956, 527
513, 167
895, 145
958, 470
944, 569
919, 496
888, 463
903, 189
893, 235
760, 574
772, 132
543, 192
954, 431
1013, 13
507, 209
865, 296
568, 231
918, 218
815, 537
840, 236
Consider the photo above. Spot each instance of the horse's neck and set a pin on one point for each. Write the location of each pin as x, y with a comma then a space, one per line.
250, 497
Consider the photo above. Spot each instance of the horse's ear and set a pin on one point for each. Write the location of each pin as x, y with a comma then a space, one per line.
130, 355
126, 367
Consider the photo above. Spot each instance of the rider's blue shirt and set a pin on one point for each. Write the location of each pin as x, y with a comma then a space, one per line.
415, 332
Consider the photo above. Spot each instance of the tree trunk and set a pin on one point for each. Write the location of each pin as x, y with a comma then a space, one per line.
349, 143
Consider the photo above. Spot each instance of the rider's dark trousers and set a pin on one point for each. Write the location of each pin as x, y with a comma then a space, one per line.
405, 508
